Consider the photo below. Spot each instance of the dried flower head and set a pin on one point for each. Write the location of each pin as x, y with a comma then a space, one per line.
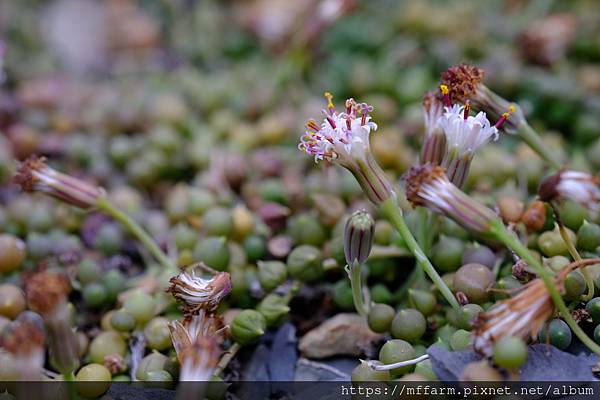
464, 83
428, 186
344, 138
46, 292
197, 292
197, 341
521, 316
578, 186
33, 175
434, 143
464, 135
24, 338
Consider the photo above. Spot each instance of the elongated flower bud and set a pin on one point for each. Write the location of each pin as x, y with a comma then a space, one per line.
464, 83
33, 175
358, 237
578, 186
343, 138
434, 143
47, 294
428, 186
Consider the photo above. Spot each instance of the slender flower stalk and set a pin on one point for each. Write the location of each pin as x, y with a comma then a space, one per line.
465, 83
464, 135
434, 143
358, 240
343, 138
33, 175
46, 294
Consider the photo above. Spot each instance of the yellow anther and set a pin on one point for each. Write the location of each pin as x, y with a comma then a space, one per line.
329, 98
512, 108
444, 89
506, 114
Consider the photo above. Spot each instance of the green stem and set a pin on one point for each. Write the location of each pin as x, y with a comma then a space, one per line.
533, 140
226, 358
354, 273
575, 254
105, 206
70, 381
500, 232
390, 209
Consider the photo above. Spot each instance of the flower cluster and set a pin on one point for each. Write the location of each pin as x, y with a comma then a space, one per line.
33, 175
578, 186
344, 138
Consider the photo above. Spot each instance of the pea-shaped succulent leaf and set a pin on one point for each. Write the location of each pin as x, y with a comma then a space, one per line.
93, 380
557, 333
271, 274
397, 350
274, 308
304, 263
461, 340
593, 307
588, 236
474, 280
364, 373
380, 317
214, 252
248, 326
447, 253
510, 352
408, 324
423, 301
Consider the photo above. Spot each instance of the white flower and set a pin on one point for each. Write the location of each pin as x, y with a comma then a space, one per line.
341, 136
466, 135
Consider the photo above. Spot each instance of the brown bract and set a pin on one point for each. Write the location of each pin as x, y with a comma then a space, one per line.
416, 177
23, 338
45, 291
462, 81
25, 172
548, 190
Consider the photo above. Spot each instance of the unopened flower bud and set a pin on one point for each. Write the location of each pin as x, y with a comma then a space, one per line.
248, 326
274, 308
358, 237
271, 274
